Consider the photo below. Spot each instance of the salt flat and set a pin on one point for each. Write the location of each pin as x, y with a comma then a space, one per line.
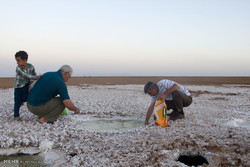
216, 126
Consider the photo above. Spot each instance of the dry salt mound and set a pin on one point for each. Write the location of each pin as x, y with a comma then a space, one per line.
213, 128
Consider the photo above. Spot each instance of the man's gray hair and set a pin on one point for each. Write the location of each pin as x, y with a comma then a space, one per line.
66, 68
149, 86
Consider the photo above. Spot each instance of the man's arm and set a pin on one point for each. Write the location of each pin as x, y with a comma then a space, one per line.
68, 104
149, 113
169, 91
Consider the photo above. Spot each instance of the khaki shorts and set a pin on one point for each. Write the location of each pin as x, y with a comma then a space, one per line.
50, 111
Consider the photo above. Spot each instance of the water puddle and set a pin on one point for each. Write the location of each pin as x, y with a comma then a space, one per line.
244, 124
23, 160
241, 123
111, 124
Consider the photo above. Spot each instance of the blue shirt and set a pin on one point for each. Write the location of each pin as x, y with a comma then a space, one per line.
47, 87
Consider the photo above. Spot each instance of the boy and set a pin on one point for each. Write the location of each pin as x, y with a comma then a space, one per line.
25, 72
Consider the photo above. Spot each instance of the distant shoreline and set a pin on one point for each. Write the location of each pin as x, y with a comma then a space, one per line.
8, 82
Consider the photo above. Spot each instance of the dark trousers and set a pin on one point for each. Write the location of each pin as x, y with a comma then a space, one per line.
50, 111
20, 96
179, 101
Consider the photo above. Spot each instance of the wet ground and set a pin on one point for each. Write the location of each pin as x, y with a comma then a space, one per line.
216, 127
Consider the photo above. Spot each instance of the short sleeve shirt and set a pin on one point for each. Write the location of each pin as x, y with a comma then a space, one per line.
47, 87
164, 85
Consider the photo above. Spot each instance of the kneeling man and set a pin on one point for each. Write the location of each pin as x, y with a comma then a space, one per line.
43, 99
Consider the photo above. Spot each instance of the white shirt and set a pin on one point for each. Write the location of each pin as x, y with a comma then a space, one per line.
164, 85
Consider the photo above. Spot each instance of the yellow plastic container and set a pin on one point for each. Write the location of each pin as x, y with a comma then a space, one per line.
160, 113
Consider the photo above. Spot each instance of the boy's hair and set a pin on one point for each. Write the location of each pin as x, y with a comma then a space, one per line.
22, 54
149, 86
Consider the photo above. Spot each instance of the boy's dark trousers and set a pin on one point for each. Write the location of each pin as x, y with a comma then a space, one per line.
20, 96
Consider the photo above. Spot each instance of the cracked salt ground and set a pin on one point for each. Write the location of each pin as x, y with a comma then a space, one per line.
207, 129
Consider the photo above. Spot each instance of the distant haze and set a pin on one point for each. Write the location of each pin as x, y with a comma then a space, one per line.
128, 37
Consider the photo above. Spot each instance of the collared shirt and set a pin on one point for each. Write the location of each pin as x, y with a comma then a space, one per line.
164, 85
23, 75
47, 87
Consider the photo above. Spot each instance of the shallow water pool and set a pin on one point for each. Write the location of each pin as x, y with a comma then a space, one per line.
244, 124
111, 124
241, 123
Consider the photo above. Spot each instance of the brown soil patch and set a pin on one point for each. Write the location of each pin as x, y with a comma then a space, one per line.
9, 82
197, 93
219, 98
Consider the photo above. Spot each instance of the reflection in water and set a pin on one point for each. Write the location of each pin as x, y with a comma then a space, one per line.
241, 123
22, 160
244, 124
111, 124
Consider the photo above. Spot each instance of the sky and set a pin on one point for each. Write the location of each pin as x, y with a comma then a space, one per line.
128, 37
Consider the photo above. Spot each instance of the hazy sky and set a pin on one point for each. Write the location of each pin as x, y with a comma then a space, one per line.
128, 37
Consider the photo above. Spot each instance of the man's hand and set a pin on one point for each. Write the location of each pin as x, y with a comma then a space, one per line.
68, 104
77, 111
149, 112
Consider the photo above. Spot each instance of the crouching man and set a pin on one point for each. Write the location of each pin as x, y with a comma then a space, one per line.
175, 95
43, 99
